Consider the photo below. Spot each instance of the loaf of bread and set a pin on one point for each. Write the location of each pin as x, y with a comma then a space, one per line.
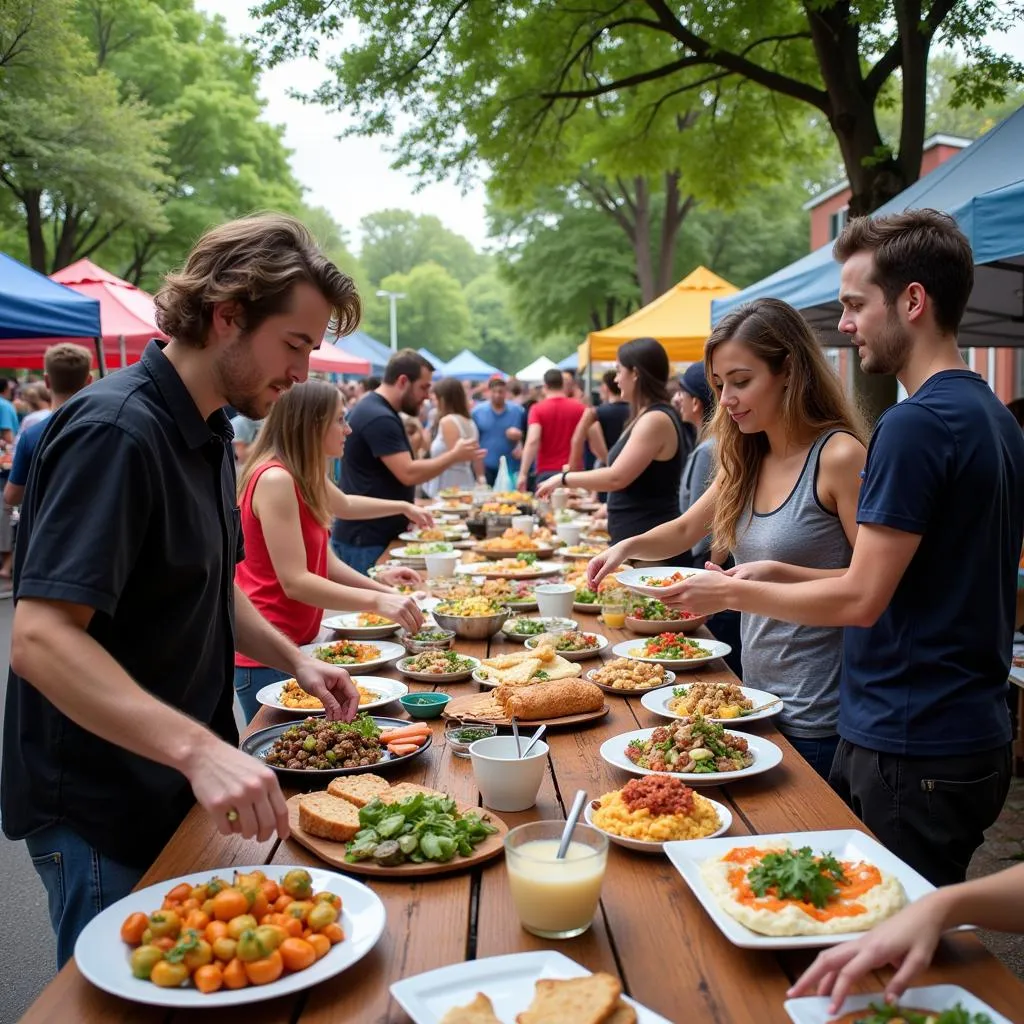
551, 700
358, 789
403, 790
328, 817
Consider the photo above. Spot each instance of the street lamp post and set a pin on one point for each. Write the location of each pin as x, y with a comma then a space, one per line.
392, 298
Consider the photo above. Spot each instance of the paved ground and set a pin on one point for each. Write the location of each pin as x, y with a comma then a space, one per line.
27, 950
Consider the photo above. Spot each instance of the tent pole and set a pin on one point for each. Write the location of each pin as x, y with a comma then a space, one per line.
123, 346
100, 361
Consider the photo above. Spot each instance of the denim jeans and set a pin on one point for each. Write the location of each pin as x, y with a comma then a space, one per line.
249, 681
80, 882
358, 556
819, 752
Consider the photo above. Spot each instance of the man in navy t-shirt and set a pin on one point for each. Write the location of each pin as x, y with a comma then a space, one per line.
929, 597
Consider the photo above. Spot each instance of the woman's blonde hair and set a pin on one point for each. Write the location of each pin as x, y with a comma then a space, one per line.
293, 434
812, 403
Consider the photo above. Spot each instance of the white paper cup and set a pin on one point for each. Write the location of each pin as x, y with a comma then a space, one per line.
441, 564
523, 523
554, 600
569, 532
508, 782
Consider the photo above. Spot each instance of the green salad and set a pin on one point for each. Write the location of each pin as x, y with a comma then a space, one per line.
418, 829
436, 548
526, 627
879, 1013
586, 596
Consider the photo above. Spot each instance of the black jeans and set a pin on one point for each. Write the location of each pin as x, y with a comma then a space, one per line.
931, 812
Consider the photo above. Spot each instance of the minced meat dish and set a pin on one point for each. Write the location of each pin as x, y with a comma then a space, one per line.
316, 744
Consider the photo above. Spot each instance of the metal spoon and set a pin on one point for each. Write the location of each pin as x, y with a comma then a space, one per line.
533, 739
570, 823
515, 732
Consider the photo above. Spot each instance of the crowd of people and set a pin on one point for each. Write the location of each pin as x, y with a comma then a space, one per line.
164, 550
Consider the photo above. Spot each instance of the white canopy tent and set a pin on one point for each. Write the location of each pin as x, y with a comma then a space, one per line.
534, 373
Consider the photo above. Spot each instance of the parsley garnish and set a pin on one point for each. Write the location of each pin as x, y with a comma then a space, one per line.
798, 875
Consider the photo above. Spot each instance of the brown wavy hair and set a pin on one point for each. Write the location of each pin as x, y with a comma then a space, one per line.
254, 261
293, 434
650, 360
451, 398
813, 402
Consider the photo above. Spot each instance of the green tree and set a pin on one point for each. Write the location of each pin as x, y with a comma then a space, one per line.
434, 313
81, 158
497, 338
395, 241
488, 81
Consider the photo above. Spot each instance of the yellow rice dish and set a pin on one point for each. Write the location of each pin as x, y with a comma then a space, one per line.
615, 815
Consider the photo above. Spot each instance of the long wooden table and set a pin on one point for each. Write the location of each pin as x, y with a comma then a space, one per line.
650, 930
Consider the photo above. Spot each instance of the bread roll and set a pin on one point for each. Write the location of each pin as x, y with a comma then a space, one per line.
552, 700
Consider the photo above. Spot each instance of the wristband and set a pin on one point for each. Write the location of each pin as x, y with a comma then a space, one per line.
565, 473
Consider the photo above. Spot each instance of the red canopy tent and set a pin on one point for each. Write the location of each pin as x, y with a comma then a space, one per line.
330, 358
127, 316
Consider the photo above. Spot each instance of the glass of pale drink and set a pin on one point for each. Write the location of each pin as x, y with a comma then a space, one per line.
556, 899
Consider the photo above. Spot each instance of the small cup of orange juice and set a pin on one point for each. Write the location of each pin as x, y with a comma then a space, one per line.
613, 614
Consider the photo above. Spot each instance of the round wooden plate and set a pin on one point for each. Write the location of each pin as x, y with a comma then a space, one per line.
459, 707
334, 853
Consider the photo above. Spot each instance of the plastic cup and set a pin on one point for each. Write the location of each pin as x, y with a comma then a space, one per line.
523, 523
555, 899
559, 499
506, 781
554, 600
569, 532
441, 564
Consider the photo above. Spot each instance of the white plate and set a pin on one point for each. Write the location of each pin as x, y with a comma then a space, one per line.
846, 844
389, 690
656, 701
766, 756
488, 571
631, 578
348, 626
651, 846
455, 533
667, 679
507, 980
388, 652
104, 959
449, 677
814, 1009
462, 509
594, 652
627, 648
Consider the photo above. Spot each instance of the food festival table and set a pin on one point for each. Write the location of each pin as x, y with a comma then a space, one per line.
650, 929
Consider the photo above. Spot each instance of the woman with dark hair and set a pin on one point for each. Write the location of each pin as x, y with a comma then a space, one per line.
453, 424
645, 464
789, 448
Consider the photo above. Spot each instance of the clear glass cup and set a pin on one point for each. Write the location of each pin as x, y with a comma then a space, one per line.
555, 899
613, 614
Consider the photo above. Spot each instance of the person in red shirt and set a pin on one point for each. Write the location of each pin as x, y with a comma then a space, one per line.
287, 502
550, 427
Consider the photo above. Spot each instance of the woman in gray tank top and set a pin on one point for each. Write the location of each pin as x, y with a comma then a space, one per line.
784, 503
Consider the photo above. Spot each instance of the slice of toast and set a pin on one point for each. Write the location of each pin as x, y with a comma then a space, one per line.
480, 1011
358, 789
622, 1014
404, 790
589, 1000
328, 817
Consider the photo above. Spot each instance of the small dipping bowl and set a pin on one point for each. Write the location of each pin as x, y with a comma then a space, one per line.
471, 732
424, 705
415, 646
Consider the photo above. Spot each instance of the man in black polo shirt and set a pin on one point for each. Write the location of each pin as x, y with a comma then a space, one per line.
379, 461
119, 703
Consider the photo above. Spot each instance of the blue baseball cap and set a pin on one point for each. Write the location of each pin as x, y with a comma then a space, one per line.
695, 382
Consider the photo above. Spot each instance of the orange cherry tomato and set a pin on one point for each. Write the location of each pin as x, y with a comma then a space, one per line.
229, 903
320, 943
271, 890
133, 927
333, 932
234, 975
282, 903
266, 970
260, 905
180, 892
292, 925
165, 942
297, 954
198, 920
209, 978
215, 930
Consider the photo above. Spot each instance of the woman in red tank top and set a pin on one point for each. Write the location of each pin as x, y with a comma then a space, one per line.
287, 503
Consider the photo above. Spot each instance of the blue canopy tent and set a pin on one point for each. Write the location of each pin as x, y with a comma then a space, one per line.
435, 361
33, 306
570, 362
362, 346
468, 366
983, 188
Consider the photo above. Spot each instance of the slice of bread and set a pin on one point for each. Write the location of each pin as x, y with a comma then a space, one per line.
480, 1011
328, 817
359, 789
404, 790
622, 1014
589, 1000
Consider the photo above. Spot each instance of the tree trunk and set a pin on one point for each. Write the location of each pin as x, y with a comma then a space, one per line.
64, 253
676, 211
31, 199
642, 241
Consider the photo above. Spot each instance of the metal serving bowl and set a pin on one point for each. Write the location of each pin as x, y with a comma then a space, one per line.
472, 627
419, 646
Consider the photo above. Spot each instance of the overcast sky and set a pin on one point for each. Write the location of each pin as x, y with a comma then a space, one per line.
352, 177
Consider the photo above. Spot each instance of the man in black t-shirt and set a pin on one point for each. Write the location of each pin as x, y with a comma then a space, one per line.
379, 461
119, 702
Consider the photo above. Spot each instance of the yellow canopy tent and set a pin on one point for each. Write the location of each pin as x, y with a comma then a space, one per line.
680, 319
